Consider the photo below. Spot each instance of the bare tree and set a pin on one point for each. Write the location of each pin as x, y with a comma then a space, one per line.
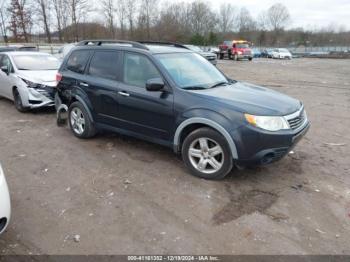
108, 9
77, 9
3, 20
131, 9
246, 22
147, 13
20, 21
277, 18
60, 7
202, 18
121, 13
44, 12
226, 17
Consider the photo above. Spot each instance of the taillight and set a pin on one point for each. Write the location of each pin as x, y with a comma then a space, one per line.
58, 78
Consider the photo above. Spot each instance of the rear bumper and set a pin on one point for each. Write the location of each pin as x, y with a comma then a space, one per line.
268, 148
5, 206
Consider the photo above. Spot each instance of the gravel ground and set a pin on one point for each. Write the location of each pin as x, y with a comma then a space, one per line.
119, 195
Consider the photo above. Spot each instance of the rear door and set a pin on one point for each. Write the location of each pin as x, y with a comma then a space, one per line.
102, 85
145, 112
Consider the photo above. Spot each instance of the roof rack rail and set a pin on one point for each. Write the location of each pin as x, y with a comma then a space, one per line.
162, 43
111, 41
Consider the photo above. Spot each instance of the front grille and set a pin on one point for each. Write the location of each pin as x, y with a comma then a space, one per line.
211, 58
247, 53
296, 122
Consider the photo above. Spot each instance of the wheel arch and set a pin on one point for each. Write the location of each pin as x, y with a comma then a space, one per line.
77, 98
194, 123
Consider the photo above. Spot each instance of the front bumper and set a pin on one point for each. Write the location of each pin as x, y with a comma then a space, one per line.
5, 206
258, 147
37, 98
245, 56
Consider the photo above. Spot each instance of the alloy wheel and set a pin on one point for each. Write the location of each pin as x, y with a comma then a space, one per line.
206, 155
77, 121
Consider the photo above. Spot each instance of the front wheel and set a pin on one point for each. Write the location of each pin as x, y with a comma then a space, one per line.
206, 154
18, 101
80, 122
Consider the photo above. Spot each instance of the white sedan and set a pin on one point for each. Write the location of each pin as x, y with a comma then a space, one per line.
5, 206
281, 53
28, 78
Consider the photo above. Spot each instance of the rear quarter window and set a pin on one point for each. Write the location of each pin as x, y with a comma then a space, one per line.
77, 61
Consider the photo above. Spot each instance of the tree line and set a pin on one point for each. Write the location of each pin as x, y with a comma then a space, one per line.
194, 22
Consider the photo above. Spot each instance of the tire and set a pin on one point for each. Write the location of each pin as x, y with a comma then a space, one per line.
79, 121
221, 56
18, 101
250, 58
196, 156
229, 55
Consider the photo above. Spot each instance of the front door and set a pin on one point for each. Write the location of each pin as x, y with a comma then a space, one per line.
5, 80
145, 112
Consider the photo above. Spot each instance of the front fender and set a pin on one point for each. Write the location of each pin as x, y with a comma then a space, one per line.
209, 118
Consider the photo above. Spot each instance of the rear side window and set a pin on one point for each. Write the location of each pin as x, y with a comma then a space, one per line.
104, 64
77, 61
138, 69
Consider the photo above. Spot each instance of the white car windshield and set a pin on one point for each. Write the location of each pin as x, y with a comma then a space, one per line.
194, 48
283, 50
36, 62
191, 70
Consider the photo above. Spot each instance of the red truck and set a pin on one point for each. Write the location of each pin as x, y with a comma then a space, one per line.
236, 49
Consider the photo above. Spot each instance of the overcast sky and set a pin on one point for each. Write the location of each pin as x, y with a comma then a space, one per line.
305, 13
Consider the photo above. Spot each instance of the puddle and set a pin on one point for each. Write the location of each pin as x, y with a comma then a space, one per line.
245, 204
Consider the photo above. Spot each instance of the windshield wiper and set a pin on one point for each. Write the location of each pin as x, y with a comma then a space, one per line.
194, 88
219, 84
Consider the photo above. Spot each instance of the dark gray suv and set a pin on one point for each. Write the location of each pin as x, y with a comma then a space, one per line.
175, 97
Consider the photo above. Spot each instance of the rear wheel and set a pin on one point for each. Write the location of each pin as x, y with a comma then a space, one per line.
206, 154
80, 122
250, 58
18, 101
221, 56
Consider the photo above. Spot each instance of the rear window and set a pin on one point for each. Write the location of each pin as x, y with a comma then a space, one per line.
77, 61
104, 64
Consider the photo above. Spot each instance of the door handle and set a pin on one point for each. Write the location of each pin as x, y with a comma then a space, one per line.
122, 93
83, 84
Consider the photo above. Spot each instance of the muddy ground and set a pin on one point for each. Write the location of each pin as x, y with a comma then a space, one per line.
124, 196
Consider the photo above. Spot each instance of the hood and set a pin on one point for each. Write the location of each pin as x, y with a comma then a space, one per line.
252, 99
44, 77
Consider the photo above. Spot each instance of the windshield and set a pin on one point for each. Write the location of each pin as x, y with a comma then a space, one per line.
191, 70
36, 62
194, 48
242, 46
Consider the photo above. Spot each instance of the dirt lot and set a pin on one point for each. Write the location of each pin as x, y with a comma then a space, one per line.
122, 195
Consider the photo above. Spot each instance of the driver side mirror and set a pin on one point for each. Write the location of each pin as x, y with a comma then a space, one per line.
155, 84
5, 69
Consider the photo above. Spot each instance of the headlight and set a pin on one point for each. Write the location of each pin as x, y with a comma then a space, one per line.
31, 84
239, 52
270, 123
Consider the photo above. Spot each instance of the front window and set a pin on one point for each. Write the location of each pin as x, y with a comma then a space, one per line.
191, 70
138, 69
36, 62
283, 50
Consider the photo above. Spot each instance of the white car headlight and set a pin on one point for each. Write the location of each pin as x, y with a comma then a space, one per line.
270, 123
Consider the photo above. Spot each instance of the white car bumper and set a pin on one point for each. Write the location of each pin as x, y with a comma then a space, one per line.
5, 206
